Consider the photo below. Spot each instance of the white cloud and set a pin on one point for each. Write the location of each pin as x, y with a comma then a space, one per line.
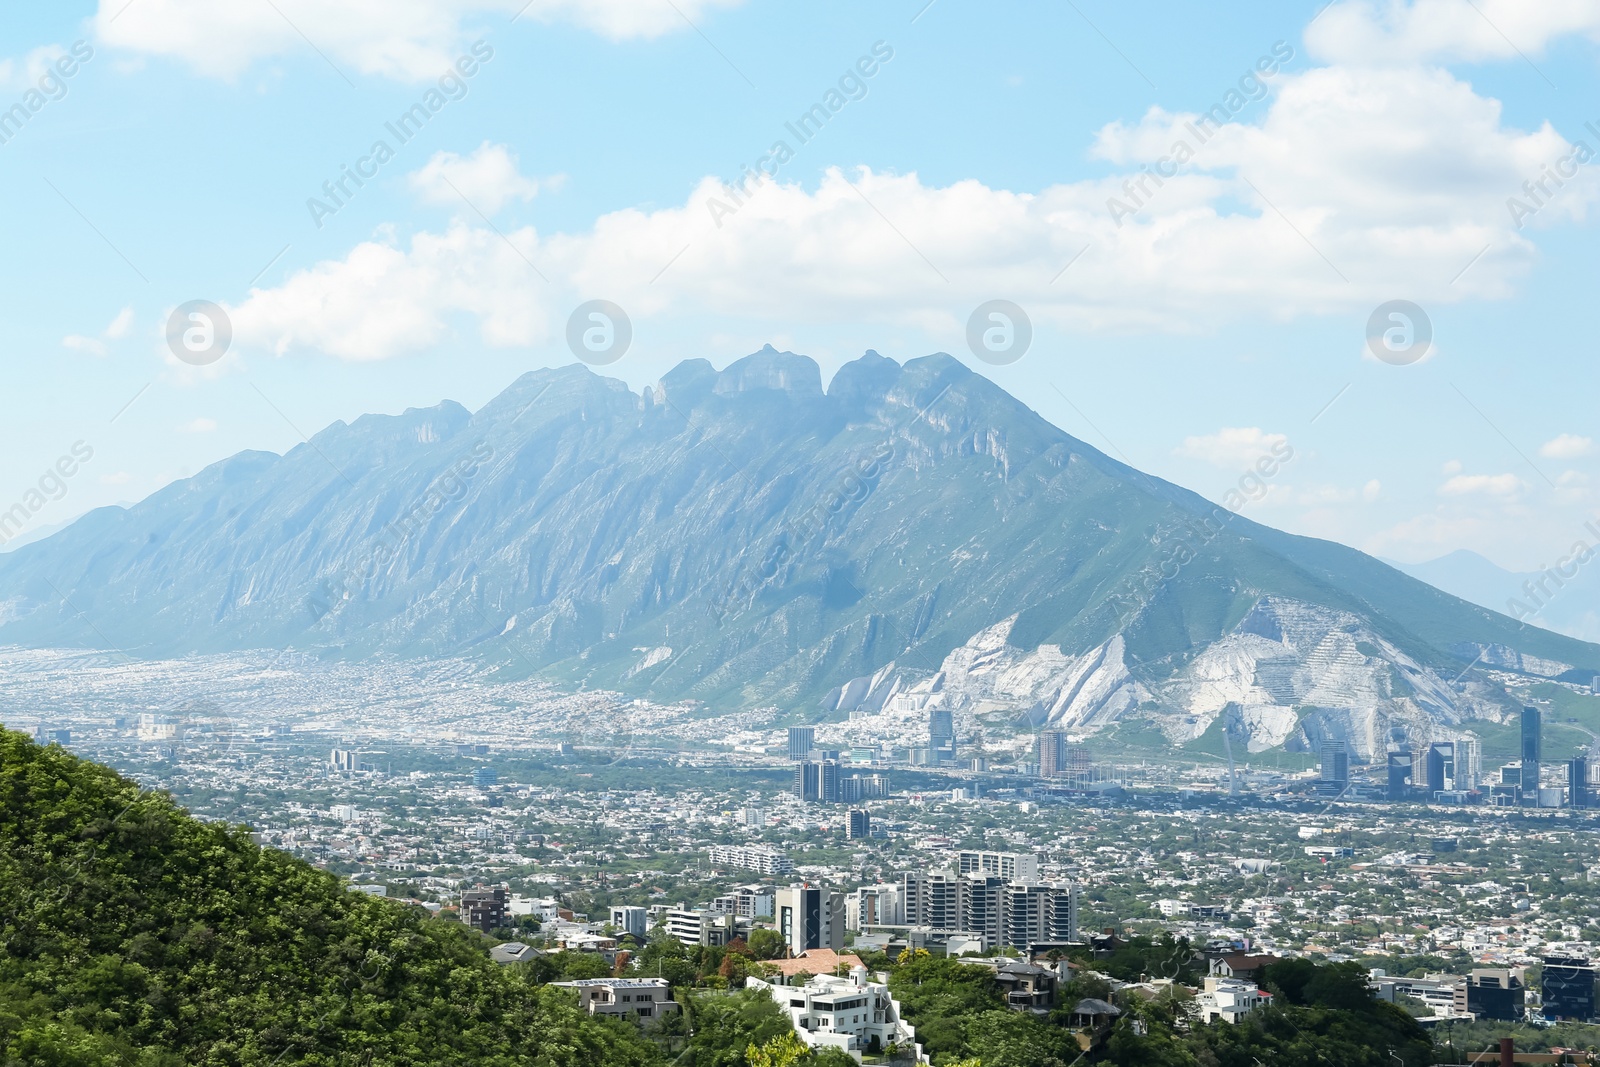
487, 179
381, 300
96, 346
24, 73
1567, 446
200, 425
1372, 491
1234, 448
412, 40
1398, 177
1452, 466
1498, 485
1440, 31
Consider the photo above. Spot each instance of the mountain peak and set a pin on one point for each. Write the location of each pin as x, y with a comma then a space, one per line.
796, 376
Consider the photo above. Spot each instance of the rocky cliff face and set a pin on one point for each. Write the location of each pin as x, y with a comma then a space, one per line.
907, 536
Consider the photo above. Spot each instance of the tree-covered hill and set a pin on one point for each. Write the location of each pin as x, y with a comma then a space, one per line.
132, 933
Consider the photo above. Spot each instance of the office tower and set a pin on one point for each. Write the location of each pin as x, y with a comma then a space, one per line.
486, 909
810, 917
802, 739
1052, 753
1468, 773
345, 759
484, 777
808, 781
1438, 766
858, 825
941, 736
1490, 993
60, 737
828, 781
1567, 988
1578, 781
1399, 774
1532, 749
1334, 754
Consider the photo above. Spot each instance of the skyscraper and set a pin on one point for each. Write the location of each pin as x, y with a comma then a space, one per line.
810, 917
1468, 772
1334, 754
941, 735
802, 739
1532, 750
858, 824
1052, 753
1578, 781
1399, 774
1439, 766
817, 780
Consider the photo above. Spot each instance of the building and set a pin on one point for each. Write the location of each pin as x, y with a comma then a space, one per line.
861, 787
1532, 748
1467, 764
345, 759
802, 739
810, 916
1490, 993
874, 905
851, 1014
941, 736
858, 824
486, 909
153, 727
1334, 756
1578, 795
646, 998
483, 777
1399, 777
1437, 991
746, 902
1003, 912
696, 926
1012, 866
1567, 989
817, 781
758, 858
1229, 999
630, 919
1439, 766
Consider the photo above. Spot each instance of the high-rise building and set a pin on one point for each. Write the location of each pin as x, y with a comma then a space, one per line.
1399, 782
1467, 764
1052, 753
1490, 993
1334, 755
817, 780
1007, 912
483, 777
810, 916
1567, 988
941, 735
875, 905
1532, 748
1439, 766
1578, 795
345, 759
802, 739
858, 824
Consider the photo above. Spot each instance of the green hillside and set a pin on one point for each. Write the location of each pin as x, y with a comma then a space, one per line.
133, 934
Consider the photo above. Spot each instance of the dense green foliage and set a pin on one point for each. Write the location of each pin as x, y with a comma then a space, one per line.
131, 933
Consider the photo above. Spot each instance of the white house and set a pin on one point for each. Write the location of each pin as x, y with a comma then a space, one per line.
1230, 999
647, 998
852, 1014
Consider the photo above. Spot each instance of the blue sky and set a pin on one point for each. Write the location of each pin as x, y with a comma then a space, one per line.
1189, 330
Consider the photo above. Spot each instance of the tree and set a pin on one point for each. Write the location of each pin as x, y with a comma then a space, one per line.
765, 944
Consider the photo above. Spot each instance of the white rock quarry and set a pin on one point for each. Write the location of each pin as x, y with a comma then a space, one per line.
1293, 673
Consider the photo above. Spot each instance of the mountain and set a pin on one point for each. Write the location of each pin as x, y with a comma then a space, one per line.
1567, 604
136, 935
910, 536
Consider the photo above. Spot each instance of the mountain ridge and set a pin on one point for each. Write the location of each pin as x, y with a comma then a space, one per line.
780, 540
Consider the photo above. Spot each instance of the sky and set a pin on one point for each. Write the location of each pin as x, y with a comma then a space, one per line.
1358, 235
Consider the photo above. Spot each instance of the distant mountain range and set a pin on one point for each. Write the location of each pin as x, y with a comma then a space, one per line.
910, 536
1569, 606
